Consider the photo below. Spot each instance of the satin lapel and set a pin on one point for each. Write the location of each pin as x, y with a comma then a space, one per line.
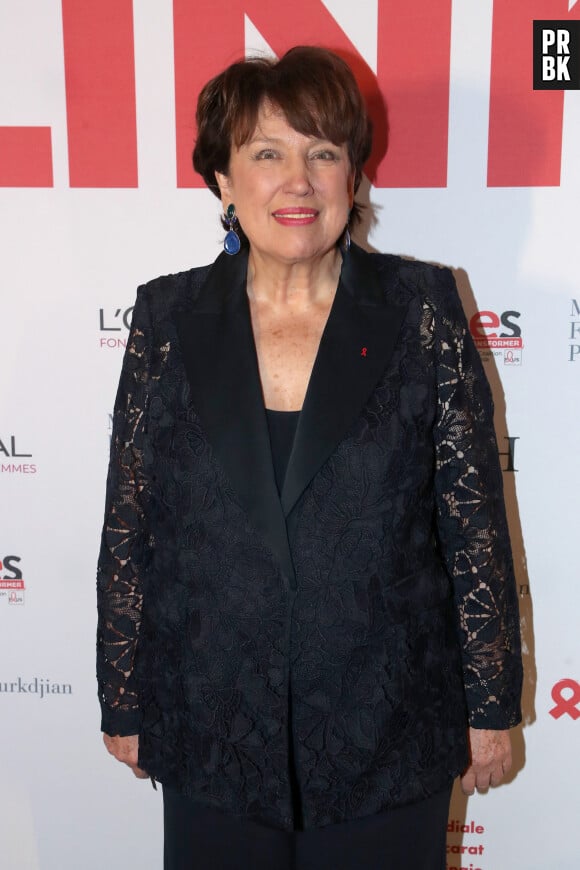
357, 342
219, 353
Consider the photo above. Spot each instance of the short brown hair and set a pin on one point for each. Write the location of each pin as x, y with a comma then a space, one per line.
315, 89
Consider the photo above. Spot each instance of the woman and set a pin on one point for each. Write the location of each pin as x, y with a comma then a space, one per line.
308, 619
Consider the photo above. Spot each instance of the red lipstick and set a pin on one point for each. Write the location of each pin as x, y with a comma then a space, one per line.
295, 216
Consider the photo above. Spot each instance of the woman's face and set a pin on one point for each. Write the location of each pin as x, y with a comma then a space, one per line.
292, 193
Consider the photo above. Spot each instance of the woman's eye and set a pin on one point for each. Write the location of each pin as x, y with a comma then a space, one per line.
265, 154
325, 154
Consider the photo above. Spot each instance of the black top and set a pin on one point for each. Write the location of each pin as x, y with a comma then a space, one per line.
282, 428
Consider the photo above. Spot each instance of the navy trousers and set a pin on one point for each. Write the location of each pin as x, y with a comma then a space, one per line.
199, 838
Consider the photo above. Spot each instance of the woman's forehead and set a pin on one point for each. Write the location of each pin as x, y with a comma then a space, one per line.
272, 125
269, 116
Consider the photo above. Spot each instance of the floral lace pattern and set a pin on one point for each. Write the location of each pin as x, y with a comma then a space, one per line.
404, 620
123, 545
473, 527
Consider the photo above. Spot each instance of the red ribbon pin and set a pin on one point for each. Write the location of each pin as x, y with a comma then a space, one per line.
568, 704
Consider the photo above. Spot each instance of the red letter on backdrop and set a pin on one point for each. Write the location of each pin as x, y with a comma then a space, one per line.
100, 92
414, 50
525, 126
413, 74
25, 157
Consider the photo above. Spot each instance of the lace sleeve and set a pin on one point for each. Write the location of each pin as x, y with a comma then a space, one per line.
123, 549
472, 525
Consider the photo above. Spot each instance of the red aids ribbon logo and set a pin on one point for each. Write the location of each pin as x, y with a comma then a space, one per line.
363, 351
568, 704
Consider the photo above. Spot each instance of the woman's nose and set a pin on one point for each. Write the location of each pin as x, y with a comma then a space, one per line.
298, 178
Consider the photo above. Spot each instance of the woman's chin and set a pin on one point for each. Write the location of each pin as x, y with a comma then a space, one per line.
295, 251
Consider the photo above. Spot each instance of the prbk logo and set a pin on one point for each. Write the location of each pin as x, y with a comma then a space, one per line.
11, 580
566, 698
10, 452
556, 55
574, 332
111, 322
498, 335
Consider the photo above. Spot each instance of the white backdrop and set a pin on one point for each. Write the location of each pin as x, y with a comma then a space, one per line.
73, 254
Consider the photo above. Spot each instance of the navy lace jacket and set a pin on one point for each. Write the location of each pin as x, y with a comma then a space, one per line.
313, 657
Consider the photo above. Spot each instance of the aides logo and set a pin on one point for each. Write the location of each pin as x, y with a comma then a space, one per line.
10, 450
498, 335
556, 55
566, 698
11, 580
111, 322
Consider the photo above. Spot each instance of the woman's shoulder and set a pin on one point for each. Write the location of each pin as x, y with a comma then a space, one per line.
408, 268
403, 279
174, 290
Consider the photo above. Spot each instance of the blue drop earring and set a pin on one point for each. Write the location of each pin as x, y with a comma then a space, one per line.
232, 242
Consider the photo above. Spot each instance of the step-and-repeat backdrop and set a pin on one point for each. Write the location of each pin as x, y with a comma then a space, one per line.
482, 174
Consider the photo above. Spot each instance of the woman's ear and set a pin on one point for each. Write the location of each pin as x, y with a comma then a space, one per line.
351, 190
223, 182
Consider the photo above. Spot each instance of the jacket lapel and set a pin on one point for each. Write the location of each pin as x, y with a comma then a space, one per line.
219, 354
356, 345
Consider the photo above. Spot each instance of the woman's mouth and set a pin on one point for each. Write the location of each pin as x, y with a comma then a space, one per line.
295, 216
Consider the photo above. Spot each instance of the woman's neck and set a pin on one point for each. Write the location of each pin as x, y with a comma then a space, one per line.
299, 283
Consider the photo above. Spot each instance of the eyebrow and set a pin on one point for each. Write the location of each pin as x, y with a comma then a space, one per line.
276, 140
264, 139
267, 140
